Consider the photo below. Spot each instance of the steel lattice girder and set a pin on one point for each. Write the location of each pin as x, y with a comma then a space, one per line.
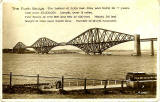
44, 45
96, 40
19, 45
19, 48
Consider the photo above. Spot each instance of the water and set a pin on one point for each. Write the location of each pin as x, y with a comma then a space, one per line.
78, 65
74, 66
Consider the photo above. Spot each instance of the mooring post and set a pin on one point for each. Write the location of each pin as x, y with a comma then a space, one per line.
152, 48
62, 82
85, 83
10, 80
137, 45
37, 81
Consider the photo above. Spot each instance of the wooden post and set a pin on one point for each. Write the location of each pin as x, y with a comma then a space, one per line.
101, 82
115, 82
85, 83
62, 82
105, 85
138, 87
37, 81
10, 80
122, 84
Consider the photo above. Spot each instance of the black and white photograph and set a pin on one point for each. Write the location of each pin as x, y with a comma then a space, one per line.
101, 50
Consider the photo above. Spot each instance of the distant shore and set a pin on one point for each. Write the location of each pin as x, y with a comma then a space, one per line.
65, 51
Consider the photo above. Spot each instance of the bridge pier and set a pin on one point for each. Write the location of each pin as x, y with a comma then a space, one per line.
19, 50
152, 48
137, 45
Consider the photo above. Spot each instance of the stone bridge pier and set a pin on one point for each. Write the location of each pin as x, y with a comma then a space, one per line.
137, 45
152, 48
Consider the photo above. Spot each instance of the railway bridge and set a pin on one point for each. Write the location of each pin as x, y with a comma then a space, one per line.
92, 41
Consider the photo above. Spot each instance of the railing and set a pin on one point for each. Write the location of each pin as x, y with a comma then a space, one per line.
37, 81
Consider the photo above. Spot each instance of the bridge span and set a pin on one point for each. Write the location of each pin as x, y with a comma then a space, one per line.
92, 41
152, 44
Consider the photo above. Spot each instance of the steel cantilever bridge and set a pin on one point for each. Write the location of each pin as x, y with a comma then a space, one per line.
94, 40
42, 45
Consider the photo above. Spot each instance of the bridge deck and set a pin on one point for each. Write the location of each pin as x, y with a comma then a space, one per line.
148, 39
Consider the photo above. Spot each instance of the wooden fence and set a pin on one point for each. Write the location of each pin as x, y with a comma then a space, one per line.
65, 82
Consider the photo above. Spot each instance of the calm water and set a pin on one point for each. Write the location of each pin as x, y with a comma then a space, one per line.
78, 65
72, 65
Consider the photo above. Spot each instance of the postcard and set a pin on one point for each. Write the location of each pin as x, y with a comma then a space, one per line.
94, 50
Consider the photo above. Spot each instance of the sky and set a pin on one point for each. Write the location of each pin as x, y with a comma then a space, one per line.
142, 18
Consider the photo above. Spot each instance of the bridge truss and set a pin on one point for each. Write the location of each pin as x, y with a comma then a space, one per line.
43, 45
96, 40
19, 48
